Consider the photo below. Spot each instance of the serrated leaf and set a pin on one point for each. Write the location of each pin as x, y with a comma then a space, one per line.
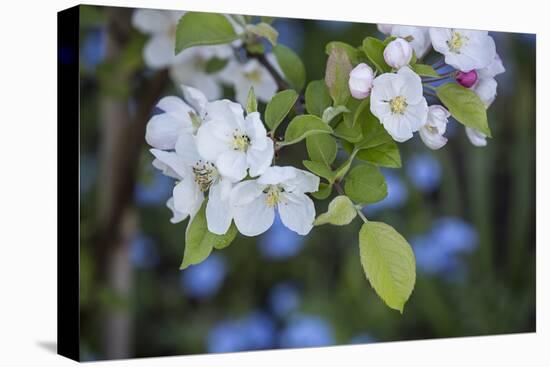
365, 184
322, 148
303, 126
388, 262
384, 155
465, 106
317, 97
264, 30
374, 49
291, 65
337, 75
199, 242
425, 70
279, 107
324, 191
251, 101
196, 29
320, 169
341, 212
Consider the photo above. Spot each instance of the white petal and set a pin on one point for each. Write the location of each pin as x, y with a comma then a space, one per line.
214, 139
195, 98
176, 107
163, 130
176, 215
420, 37
259, 160
297, 213
254, 218
416, 115
227, 112
218, 208
165, 169
246, 192
398, 127
186, 149
275, 175
151, 21
232, 165
439, 38
486, 89
302, 181
411, 88
432, 140
173, 161
476, 137
158, 53
187, 196
255, 130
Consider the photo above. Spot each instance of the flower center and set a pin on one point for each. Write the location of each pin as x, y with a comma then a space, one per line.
254, 76
456, 42
205, 174
241, 141
398, 105
273, 195
195, 120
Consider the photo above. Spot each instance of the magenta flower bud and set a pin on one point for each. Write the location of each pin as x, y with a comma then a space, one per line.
466, 79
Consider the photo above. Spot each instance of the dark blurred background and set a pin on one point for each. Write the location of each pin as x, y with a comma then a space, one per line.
468, 212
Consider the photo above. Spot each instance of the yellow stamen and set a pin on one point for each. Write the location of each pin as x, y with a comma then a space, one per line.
398, 105
273, 195
457, 42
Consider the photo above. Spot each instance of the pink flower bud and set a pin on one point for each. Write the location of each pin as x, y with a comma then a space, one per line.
466, 79
398, 53
360, 81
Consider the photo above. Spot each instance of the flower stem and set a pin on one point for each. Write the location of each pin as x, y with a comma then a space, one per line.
361, 215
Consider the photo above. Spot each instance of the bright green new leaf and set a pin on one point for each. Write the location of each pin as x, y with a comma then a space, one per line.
385, 155
291, 65
196, 29
340, 212
374, 49
317, 97
365, 184
303, 126
324, 191
388, 262
425, 70
337, 75
465, 106
353, 53
199, 241
264, 30
322, 148
279, 106
251, 101
320, 169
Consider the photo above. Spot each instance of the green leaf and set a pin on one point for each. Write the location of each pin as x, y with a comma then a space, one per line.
340, 212
322, 148
303, 126
388, 262
291, 65
331, 112
196, 29
374, 49
465, 106
317, 97
337, 75
344, 168
374, 133
264, 30
251, 101
385, 155
353, 53
279, 106
324, 191
425, 70
215, 64
351, 134
199, 241
320, 169
365, 184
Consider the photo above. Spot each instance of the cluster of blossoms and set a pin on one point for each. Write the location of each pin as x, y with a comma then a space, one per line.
397, 98
202, 67
213, 148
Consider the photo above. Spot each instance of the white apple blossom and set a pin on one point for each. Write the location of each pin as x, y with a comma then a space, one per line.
464, 49
195, 176
279, 188
418, 37
486, 85
242, 76
384, 28
360, 81
235, 144
177, 118
397, 100
476, 137
398, 53
432, 132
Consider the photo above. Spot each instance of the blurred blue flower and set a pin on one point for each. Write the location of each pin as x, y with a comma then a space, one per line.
424, 170
255, 331
155, 192
205, 279
279, 242
143, 252
397, 194
283, 299
92, 52
438, 252
306, 331
363, 338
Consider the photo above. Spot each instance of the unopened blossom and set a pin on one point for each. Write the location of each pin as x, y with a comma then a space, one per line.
360, 81
398, 53
397, 100
195, 176
279, 188
464, 49
476, 137
466, 79
242, 76
418, 37
237, 145
432, 132
177, 118
384, 28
